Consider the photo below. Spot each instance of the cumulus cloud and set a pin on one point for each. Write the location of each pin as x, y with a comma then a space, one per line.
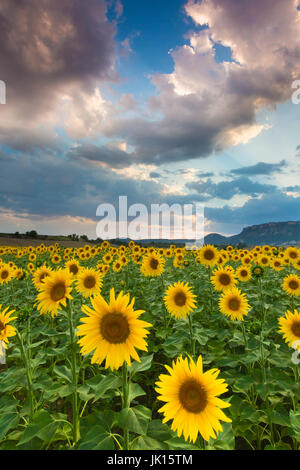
228, 189
260, 168
272, 207
207, 106
110, 157
53, 54
53, 186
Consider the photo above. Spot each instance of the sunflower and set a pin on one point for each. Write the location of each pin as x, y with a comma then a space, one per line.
89, 282
264, 260
191, 399
6, 274
73, 266
290, 327
292, 253
30, 267
56, 259
107, 258
20, 275
55, 292
243, 273
117, 266
39, 276
223, 278
234, 304
112, 330
6, 330
291, 284
179, 300
208, 255
257, 271
276, 264
152, 265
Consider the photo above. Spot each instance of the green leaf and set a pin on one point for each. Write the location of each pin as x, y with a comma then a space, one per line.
64, 372
104, 384
97, 439
42, 426
295, 423
148, 443
142, 366
130, 418
8, 421
135, 391
225, 440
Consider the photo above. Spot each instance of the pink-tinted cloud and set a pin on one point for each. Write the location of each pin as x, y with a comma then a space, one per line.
207, 106
53, 55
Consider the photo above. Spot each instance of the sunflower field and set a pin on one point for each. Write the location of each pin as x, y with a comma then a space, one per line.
134, 348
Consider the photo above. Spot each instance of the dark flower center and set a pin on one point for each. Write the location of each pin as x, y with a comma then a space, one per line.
4, 274
192, 396
224, 279
295, 328
89, 282
234, 303
208, 254
114, 328
180, 299
154, 263
293, 285
42, 276
74, 268
58, 291
2, 326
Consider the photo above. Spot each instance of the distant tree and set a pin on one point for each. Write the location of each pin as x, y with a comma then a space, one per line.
32, 234
84, 237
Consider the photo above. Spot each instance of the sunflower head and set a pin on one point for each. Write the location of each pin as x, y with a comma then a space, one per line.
291, 285
243, 273
223, 278
191, 401
290, 328
89, 282
55, 291
208, 255
6, 330
152, 265
179, 300
112, 330
257, 271
234, 304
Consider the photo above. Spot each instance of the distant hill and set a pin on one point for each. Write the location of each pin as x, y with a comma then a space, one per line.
273, 233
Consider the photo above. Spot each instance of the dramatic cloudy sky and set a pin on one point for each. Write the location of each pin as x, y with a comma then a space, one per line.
160, 100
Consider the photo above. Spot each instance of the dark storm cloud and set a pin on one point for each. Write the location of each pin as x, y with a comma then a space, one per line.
53, 54
53, 186
228, 189
274, 206
206, 106
111, 157
260, 168
49, 43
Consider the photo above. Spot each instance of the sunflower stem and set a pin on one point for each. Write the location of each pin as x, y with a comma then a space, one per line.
76, 419
126, 404
261, 332
192, 335
28, 373
244, 334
